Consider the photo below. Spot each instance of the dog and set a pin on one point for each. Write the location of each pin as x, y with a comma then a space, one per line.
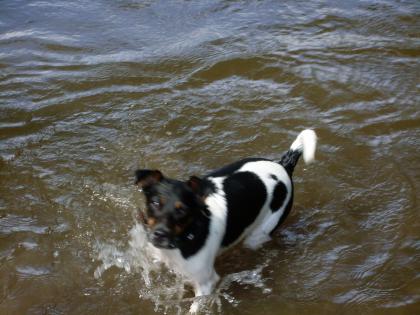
189, 223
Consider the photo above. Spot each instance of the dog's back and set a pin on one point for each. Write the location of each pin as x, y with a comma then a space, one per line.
256, 194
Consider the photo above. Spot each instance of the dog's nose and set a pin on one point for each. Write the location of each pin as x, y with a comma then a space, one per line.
160, 233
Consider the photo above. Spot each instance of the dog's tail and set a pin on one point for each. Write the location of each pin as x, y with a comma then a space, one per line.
305, 144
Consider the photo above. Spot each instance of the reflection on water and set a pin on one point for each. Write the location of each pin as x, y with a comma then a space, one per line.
91, 90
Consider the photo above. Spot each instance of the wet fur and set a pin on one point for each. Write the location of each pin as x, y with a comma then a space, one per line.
244, 201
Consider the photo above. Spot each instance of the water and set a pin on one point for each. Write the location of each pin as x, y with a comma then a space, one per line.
92, 90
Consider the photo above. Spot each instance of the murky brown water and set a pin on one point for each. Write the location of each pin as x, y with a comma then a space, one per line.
90, 90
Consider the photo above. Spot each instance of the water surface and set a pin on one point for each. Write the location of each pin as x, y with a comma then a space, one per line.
92, 90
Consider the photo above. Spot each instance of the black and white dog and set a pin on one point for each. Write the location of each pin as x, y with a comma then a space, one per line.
190, 222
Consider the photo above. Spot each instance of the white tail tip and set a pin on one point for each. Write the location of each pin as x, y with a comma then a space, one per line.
306, 143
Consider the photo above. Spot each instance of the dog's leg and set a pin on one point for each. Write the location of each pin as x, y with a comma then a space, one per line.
206, 285
203, 285
261, 234
255, 240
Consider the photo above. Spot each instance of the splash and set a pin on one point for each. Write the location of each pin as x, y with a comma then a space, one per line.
134, 259
166, 288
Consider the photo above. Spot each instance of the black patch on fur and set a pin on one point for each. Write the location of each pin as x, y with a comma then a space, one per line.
195, 236
274, 177
289, 160
245, 195
285, 213
279, 195
232, 168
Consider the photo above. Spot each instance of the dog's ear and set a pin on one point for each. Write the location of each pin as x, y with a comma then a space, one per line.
147, 178
195, 183
200, 186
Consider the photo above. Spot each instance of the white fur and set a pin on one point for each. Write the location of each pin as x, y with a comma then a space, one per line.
199, 268
306, 143
258, 233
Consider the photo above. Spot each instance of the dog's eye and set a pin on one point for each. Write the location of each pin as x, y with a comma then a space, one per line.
155, 205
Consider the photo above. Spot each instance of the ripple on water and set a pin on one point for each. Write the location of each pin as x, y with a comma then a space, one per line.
12, 223
31, 271
367, 268
92, 89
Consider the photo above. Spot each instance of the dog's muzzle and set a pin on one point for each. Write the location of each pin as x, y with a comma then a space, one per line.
161, 238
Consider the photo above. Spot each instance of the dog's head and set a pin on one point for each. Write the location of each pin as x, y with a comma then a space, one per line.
171, 206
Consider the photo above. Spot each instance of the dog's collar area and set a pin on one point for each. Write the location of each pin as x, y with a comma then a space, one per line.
189, 236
